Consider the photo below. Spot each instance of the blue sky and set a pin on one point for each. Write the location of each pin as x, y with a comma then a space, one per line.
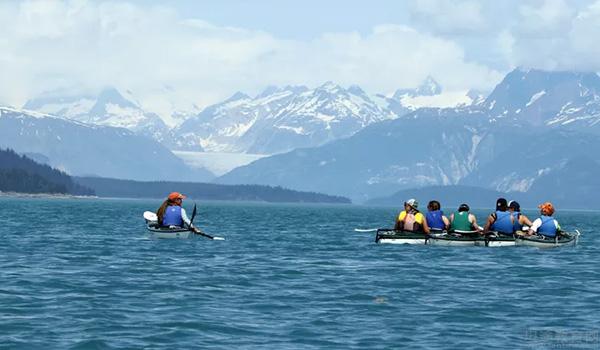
171, 54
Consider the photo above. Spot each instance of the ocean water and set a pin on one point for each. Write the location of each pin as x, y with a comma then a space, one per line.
83, 274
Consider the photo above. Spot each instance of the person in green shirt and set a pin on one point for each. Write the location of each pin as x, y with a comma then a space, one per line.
462, 220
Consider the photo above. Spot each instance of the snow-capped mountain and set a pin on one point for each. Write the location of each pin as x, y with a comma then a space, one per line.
108, 108
85, 149
476, 145
280, 119
547, 98
429, 87
427, 95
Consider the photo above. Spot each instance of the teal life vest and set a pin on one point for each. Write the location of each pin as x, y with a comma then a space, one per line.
461, 222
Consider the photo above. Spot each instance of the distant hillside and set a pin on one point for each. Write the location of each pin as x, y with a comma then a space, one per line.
105, 187
22, 174
449, 196
574, 186
91, 150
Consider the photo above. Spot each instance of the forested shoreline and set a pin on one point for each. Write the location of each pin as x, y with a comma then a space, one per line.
23, 175
105, 187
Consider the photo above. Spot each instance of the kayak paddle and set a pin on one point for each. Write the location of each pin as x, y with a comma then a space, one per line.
198, 232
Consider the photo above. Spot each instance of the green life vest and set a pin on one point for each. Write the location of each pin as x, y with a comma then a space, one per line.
461, 222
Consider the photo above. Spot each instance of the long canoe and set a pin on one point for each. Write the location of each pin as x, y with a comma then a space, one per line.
391, 236
539, 241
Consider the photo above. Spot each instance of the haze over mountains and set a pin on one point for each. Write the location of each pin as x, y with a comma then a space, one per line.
87, 149
275, 121
533, 127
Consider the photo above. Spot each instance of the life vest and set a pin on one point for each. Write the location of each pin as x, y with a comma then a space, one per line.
517, 226
461, 222
503, 223
172, 216
547, 228
411, 219
434, 220
409, 222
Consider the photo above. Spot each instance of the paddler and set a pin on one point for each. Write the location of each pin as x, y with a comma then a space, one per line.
519, 219
411, 219
462, 220
171, 213
435, 218
545, 225
501, 220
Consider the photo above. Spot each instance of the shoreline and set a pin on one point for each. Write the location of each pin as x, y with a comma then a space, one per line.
71, 196
45, 195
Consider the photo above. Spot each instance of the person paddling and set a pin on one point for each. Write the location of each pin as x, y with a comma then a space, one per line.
435, 218
545, 225
171, 212
519, 219
410, 219
462, 221
501, 220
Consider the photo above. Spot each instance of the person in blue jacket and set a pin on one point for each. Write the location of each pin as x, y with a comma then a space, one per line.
436, 220
172, 214
501, 220
519, 218
545, 225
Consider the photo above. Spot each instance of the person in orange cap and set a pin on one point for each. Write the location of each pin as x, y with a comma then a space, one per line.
545, 225
171, 213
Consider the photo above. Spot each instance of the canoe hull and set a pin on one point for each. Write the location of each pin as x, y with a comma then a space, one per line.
451, 240
167, 233
389, 236
568, 239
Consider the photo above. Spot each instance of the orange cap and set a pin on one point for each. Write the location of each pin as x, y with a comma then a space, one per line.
546, 208
175, 195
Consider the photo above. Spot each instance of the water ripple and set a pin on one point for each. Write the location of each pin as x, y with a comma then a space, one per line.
83, 274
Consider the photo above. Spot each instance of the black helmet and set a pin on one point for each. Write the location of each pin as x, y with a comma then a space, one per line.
463, 207
501, 204
514, 205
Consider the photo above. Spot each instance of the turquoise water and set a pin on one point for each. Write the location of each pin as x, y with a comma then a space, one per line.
83, 274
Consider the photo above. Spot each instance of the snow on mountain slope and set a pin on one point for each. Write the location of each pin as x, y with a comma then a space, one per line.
547, 98
86, 149
108, 108
280, 119
429, 94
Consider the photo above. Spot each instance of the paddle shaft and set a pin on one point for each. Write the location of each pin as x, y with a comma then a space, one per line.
198, 232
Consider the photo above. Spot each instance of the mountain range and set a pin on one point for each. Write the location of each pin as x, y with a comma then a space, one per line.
509, 142
87, 149
276, 120
108, 108
532, 128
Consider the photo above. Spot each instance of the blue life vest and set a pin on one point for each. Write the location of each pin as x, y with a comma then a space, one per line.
434, 220
517, 226
173, 216
548, 228
502, 223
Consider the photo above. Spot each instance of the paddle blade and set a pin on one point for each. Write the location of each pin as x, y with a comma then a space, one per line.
218, 238
150, 216
365, 229
193, 214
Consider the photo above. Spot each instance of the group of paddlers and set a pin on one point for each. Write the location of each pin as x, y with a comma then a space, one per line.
507, 219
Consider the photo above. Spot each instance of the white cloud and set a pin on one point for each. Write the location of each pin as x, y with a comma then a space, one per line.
546, 19
554, 36
450, 16
84, 46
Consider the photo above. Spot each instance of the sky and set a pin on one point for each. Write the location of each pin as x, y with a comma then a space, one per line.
174, 54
